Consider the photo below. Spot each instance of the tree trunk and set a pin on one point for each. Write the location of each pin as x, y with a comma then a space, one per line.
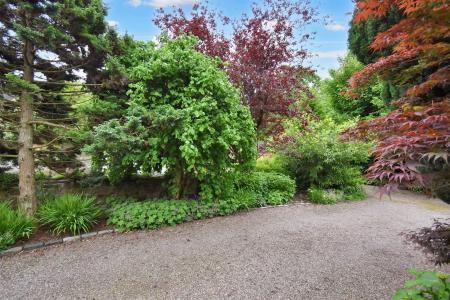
27, 185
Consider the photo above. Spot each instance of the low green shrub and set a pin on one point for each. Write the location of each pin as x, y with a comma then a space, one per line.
320, 196
426, 285
268, 188
272, 163
318, 157
154, 214
14, 225
252, 190
69, 213
333, 196
8, 181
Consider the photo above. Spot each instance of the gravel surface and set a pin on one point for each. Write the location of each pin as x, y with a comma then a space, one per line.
346, 251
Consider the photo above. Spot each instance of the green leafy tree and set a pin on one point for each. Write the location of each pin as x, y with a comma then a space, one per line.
43, 45
333, 98
183, 115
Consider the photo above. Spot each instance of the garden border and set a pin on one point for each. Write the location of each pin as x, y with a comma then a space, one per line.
69, 239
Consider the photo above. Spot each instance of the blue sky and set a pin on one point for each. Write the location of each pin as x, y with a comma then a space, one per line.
135, 17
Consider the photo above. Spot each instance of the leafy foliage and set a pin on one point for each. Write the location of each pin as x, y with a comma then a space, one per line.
183, 115
271, 163
268, 50
269, 188
14, 225
318, 157
320, 196
420, 127
69, 213
434, 240
255, 190
426, 285
343, 107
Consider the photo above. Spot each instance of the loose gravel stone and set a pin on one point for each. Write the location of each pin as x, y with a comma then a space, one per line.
345, 251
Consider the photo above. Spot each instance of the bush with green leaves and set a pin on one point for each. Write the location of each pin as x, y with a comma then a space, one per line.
332, 100
183, 115
426, 285
14, 225
319, 158
69, 213
268, 188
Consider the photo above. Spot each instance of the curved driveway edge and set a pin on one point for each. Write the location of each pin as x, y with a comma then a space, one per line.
346, 251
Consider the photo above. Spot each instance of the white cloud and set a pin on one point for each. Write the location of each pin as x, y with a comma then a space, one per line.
330, 54
135, 3
113, 24
162, 3
336, 27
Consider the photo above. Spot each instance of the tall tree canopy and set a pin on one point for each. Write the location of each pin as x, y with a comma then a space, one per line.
263, 56
414, 139
43, 46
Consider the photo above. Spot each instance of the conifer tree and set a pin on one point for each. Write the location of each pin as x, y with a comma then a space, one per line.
45, 45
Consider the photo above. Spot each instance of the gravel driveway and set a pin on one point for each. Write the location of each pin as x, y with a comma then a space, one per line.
345, 251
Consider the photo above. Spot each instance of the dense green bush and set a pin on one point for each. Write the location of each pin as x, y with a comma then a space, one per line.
268, 188
8, 180
319, 158
426, 285
183, 115
69, 213
14, 225
332, 196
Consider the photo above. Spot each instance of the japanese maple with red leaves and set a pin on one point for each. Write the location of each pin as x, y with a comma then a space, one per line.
414, 140
263, 55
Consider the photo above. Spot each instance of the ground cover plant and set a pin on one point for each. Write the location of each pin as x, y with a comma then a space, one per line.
14, 225
252, 190
69, 213
426, 285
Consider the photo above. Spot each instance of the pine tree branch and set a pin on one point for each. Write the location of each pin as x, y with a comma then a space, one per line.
43, 122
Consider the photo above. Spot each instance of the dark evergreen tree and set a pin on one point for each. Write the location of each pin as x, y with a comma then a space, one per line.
361, 35
46, 46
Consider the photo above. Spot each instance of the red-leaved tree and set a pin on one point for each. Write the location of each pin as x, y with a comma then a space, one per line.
263, 56
414, 140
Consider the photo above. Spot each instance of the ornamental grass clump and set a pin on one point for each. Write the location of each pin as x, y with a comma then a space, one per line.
14, 225
69, 213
